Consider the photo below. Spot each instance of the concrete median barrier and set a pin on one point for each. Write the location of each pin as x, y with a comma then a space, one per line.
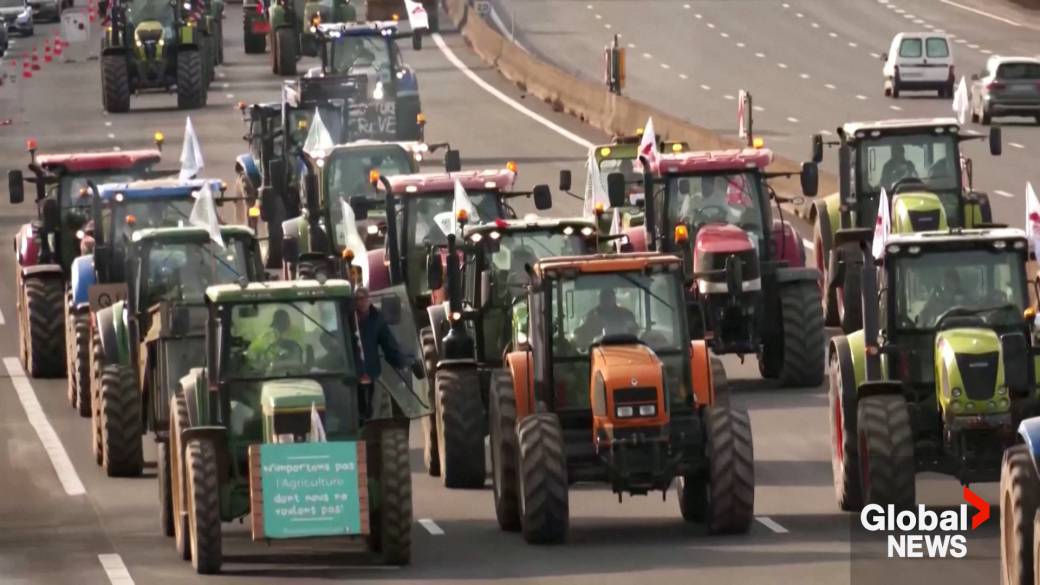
593, 104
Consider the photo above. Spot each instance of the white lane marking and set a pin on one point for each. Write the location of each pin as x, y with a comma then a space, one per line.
1015, 145
51, 443
816, 25
705, 87
982, 13
598, 17
631, 45
830, 86
782, 65
115, 569
698, 16
116, 148
431, 526
792, 119
1, 318
221, 74
589, 6
230, 96
771, 524
1004, 194
786, 5
760, 55
681, 76
896, 108
800, 15
724, 35
876, 55
929, 26
861, 97
804, 76
853, 45
758, 108
665, 66
986, 52
960, 41
973, 46
108, 123
825, 132
647, 56
918, 21
711, 25
111, 136
608, 26
458, 64
900, 11
833, 35
729, 97
686, 6
909, 16
741, 45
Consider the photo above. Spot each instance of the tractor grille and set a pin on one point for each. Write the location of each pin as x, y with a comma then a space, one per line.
635, 395
711, 262
979, 373
924, 220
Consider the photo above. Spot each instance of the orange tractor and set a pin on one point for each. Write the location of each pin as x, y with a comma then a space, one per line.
606, 384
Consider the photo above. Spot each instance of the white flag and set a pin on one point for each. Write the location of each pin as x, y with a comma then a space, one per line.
462, 202
318, 137
417, 16
648, 144
1032, 217
961, 102
882, 227
741, 114
353, 242
317, 434
615, 223
204, 214
191, 153
594, 190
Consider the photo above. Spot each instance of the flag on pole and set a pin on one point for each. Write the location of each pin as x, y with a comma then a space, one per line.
1032, 217
741, 114
961, 102
318, 137
204, 214
615, 223
648, 144
317, 434
882, 227
417, 16
352, 240
594, 190
191, 153
462, 203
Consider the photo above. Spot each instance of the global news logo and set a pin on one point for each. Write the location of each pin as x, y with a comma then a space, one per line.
923, 533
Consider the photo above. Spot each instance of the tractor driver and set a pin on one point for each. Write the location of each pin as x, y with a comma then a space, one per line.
606, 318
274, 349
898, 167
950, 294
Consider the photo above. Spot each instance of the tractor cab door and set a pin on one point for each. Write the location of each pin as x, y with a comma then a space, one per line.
398, 392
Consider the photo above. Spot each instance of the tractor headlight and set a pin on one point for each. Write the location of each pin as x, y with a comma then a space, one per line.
648, 410
956, 392
625, 411
957, 407
372, 229
1002, 391
1003, 403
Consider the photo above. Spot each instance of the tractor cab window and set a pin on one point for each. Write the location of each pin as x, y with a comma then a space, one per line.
719, 198
161, 11
627, 167
70, 185
346, 171
424, 216
932, 159
987, 281
358, 54
520, 248
300, 120
181, 271
123, 218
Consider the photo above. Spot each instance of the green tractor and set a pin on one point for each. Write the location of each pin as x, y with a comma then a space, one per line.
911, 157
156, 45
942, 371
278, 403
151, 339
293, 24
210, 15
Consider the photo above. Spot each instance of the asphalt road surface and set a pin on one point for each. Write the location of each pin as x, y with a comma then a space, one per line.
63, 522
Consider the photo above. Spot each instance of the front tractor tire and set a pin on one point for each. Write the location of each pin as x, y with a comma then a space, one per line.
391, 518
850, 300
43, 327
203, 506
191, 80
820, 254
178, 489
504, 449
121, 426
115, 83
842, 407
77, 352
544, 498
803, 337
886, 451
162, 474
730, 491
461, 427
284, 51
431, 453
1019, 491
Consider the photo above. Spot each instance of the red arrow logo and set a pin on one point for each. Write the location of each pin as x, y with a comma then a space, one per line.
981, 505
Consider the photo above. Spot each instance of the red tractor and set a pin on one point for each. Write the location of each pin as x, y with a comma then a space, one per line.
715, 209
46, 246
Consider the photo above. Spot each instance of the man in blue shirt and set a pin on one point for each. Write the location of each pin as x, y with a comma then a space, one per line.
375, 334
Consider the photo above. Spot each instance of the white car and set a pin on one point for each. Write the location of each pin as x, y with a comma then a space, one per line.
919, 61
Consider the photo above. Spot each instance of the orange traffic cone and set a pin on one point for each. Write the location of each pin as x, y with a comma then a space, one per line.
26, 69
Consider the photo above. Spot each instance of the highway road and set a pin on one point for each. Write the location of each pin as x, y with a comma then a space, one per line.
63, 521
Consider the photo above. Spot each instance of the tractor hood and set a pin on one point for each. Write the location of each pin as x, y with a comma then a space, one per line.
291, 395
627, 366
970, 371
725, 260
917, 212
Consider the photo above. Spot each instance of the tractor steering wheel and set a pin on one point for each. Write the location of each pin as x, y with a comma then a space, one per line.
906, 183
281, 353
711, 214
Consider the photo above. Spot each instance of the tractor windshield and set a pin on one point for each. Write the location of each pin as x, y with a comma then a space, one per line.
721, 198
299, 122
928, 285
346, 171
70, 185
357, 53
627, 167
181, 271
119, 221
162, 11
286, 339
932, 159
423, 214
519, 248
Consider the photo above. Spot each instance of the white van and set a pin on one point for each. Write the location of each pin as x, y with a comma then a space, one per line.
919, 61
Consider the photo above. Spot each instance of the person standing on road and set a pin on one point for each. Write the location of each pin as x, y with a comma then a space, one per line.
375, 334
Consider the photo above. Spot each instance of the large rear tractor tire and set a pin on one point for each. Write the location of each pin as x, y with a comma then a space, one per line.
504, 449
178, 489
1019, 491
842, 402
391, 518
720, 381
191, 80
431, 453
285, 52
121, 422
544, 499
115, 84
461, 428
731, 471
803, 335
162, 473
44, 327
886, 451
254, 44
820, 253
203, 506
96, 366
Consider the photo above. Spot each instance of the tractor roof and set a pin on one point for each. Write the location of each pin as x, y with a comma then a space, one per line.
412, 146
530, 223
712, 161
367, 146
88, 162
606, 263
372, 28
279, 290
169, 187
898, 126
419, 183
627, 147
958, 238
190, 233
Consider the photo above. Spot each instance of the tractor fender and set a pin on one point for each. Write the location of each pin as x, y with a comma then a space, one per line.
83, 277
245, 165
785, 275
1029, 431
636, 238
788, 244
700, 373
378, 271
26, 247
857, 350
42, 270
520, 370
438, 325
819, 214
215, 435
827, 211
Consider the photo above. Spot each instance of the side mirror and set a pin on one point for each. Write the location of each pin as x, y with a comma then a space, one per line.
359, 204
996, 142
810, 179
268, 209
51, 214
434, 271
15, 186
616, 189
565, 180
817, 148
417, 40
542, 197
884, 56
390, 306
452, 161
